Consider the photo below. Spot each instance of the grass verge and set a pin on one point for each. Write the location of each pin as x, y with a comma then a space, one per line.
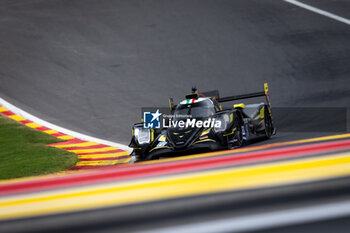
23, 151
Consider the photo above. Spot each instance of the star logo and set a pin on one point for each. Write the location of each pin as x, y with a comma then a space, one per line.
156, 115
151, 120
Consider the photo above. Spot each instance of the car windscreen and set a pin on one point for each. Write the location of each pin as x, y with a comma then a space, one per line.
203, 109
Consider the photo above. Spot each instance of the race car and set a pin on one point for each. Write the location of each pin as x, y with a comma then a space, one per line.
200, 123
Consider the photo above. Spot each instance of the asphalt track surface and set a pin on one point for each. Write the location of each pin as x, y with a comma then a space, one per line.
91, 65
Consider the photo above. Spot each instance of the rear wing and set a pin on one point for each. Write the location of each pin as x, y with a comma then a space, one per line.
247, 96
215, 95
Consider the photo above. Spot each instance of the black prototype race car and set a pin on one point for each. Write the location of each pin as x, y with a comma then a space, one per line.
239, 124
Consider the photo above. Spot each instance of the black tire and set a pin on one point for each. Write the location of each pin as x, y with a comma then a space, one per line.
268, 123
137, 157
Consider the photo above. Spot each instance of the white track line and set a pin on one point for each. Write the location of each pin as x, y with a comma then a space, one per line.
264, 220
319, 11
39, 121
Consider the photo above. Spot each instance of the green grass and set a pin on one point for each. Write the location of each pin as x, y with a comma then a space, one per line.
23, 151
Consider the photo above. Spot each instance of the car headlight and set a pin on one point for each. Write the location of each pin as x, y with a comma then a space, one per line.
225, 120
142, 136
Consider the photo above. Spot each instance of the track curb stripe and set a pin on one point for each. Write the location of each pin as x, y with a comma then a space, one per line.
231, 179
166, 168
104, 155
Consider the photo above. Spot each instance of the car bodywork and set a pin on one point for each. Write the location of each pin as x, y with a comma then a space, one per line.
239, 124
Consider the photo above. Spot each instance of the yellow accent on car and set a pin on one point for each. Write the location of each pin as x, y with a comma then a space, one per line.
158, 147
205, 140
205, 132
233, 130
152, 135
231, 117
188, 131
162, 138
171, 109
241, 105
261, 114
266, 88
269, 109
